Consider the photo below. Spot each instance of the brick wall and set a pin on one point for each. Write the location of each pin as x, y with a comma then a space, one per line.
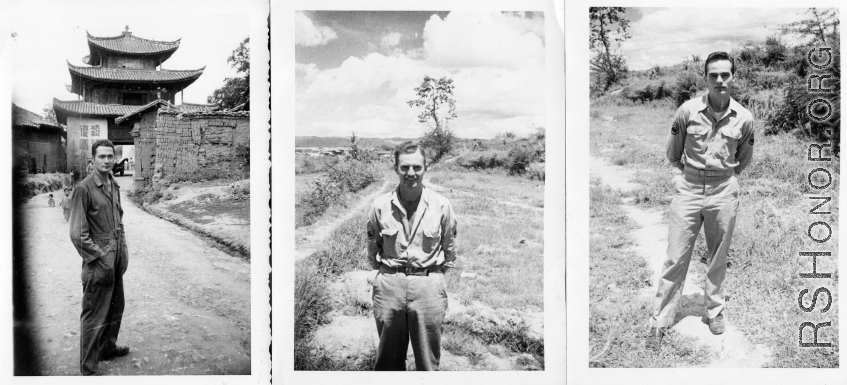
188, 143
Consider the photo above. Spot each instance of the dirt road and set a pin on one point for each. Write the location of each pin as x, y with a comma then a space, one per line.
187, 303
730, 349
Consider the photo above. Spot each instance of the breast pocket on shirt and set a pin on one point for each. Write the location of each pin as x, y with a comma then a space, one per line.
389, 243
431, 239
730, 136
695, 137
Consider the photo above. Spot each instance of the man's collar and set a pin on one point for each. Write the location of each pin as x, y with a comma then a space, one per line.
99, 182
704, 104
395, 199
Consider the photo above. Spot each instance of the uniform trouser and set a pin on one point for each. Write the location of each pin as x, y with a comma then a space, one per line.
409, 307
102, 307
713, 203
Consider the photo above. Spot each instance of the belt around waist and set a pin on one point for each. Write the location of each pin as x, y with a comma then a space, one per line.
707, 173
114, 234
409, 270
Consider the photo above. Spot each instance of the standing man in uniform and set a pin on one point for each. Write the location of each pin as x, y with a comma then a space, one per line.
412, 240
711, 141
96, 230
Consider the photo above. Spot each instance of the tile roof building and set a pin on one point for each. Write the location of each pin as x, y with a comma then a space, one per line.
122, 73
37, 142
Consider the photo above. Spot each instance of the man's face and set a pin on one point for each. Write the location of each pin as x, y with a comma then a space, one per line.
719, 78
104, 158
410, 168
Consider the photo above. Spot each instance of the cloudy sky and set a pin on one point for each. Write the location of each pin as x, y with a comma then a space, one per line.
49, 33
356, 70
664, 36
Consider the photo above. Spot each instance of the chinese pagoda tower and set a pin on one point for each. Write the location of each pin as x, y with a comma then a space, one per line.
122, 74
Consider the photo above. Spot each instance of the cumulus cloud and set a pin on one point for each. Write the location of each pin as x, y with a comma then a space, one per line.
496, 61
482, 39
666, 36
390, 39
307, 34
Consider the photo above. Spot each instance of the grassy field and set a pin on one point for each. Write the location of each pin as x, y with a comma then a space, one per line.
763, 278
501, 244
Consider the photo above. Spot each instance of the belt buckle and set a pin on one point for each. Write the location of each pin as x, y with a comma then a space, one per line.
409, 270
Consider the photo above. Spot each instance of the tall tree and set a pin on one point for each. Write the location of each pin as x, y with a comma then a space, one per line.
608, 29
434, 95
235, 91
822, 26
49, 113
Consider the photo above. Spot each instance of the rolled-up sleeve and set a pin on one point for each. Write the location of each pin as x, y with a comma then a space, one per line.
448, 236
676, 137
744, 152
374, 239
79, 232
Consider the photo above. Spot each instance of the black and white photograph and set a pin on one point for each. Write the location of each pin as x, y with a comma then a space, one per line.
420, 159
139, 214
713, 186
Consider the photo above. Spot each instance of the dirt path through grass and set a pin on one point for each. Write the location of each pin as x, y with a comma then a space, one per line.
732, 348
310, 242
187, 303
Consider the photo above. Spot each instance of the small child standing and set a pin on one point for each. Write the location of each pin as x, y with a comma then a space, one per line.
51, 202
66, 204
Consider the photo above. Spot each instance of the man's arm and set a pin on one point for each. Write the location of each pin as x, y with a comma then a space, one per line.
374, 238
80, 237
676, 138
448, 236
744, 152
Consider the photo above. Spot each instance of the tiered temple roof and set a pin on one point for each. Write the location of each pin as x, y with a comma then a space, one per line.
65, 108
140, 76
127, 44
124, 72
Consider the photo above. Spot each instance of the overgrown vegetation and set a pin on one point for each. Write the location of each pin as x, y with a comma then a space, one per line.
520, 156
342, 178
30, 185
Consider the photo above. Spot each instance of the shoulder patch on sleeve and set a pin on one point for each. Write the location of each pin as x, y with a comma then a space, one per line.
752, 134
674, 129
371, 230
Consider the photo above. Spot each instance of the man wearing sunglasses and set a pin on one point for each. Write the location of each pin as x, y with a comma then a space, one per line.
710, 141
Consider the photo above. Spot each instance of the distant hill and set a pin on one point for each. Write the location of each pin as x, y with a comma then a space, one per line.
318, 141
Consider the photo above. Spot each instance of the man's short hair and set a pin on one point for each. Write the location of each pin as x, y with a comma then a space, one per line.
408, 147
717, 56
101, 142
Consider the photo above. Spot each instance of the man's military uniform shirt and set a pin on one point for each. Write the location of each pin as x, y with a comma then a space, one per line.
96, 215
427, 239
698, 141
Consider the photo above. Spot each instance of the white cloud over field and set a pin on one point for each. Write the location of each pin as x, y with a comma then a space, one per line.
495, 60
666, 36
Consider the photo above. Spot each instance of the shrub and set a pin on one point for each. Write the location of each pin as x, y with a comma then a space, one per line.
483, 159
33, 184
519, 159
347, 176
536, 171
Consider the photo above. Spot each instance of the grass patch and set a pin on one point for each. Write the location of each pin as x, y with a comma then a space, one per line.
618, 316
205, 207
